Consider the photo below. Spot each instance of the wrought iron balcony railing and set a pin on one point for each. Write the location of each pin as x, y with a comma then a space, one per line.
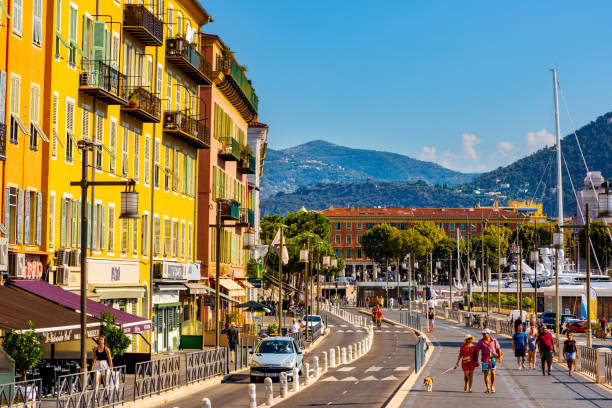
143, 25
230, 210
231, 67
99, 79
141, 104
247, 218
246, 164
186, 127
230, 149
188, 60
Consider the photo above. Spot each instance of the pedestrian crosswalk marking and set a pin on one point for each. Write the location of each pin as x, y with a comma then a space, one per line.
340, 331
349, 379
390, 378
370, 378
330, 325
343, 325
373, 368
349, 331
401, 368
346, 368
332, 378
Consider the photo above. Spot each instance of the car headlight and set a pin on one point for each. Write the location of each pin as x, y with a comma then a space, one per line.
288, 363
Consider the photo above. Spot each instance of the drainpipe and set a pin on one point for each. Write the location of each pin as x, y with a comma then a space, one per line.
151, 216
8, 36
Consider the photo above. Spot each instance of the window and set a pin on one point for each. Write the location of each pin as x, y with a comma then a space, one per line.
338, 226
51, 228
72, 33
32, 217
338, 253
175, 239
175, 170
37, 23
147, 159
10, 216
359, 253
338, 239
85, 123
34, 116
179, 23
17, 16
58, 27
68, 227
115, 50
156, 236
190, 242
168, 91
124, 238
134, 236
124, 152
136, 153
167, 237
167, 154
473, 226
112, 161
145, 234
111, 229
182, 244
349, 240
369, 225
156, 159
349, 226
170, 21
177, 95
69, 131
15, 104
452, 226
185, 174
349, 253
98, 222
98, 158
359, 238
54, 109
149, 72
463, 226
159, 79
359, 226
403, 225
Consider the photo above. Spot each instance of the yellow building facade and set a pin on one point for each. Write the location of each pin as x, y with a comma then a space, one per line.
126, 77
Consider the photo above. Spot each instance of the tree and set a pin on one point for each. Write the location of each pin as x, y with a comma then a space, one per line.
308, 221
116, 340
376, 243
443, 250
433, 232
24, 348
418, 246
269, 224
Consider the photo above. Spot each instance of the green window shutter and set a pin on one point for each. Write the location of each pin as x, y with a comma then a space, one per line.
75, 211
102, 228
38, 218
85, 42
107, 42
26, 213
99, 40
19, 216
63, 224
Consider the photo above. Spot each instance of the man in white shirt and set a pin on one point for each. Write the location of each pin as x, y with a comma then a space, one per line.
294, 327
430, 304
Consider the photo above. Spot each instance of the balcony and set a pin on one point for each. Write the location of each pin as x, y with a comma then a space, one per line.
237, 88
187, 128
246, 164
141, 104
230, 210
230, 149
188, 60
2, 141
143, 25
101, 81
247, 218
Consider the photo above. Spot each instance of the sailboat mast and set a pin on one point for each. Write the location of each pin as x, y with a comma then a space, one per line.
558, 140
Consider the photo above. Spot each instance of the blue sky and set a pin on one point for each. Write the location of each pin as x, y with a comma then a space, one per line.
462, 83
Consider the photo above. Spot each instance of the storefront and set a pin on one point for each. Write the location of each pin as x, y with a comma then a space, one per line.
168, 284
192, 309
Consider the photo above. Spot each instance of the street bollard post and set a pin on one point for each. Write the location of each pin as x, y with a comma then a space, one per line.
252, 396
325, 361
339, 355
206, 403
296, 379
269, 395
306, 373
344, 355
317, 368
350, 354
283, 385
332, 358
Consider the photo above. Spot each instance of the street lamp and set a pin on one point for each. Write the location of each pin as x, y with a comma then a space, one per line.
534, 256
557, 244
304, 259
501, 264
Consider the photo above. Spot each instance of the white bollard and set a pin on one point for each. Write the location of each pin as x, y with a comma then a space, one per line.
296, 379
252, 396
344, 355
269, 395
325, 361
332, 358
306, 373
317, 368
205, 403
339, 355
350, 353
283, 385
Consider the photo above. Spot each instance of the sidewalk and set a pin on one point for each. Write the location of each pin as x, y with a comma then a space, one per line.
514, 388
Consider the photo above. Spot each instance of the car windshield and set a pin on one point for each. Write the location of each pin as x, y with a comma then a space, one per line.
275, 347
314, 318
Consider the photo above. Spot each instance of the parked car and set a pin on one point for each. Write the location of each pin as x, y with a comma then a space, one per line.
275, 355
547, 319
574, 326
313, 320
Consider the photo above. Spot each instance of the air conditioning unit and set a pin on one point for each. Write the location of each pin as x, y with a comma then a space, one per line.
17, 267
75, 257
62, 257
62, 275
4, 259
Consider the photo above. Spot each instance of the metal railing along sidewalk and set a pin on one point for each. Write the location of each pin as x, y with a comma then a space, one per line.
21, 394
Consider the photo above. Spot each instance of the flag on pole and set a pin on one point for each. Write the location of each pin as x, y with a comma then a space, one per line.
276, 243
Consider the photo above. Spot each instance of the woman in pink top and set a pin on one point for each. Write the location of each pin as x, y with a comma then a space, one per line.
468, 361
491, 353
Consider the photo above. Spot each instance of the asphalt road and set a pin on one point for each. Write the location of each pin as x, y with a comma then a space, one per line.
234, 392
514, 388
369, 381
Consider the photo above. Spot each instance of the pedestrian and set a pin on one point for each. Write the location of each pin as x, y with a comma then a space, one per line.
468, 361
518, 322
368, 302
604, 327
532, 336
531, 329
233, 338
391, 301
519, 346
546, 347
430, 319
491, 353
569, 351
430, 303
400, 302
379, 316
294, 327
102, 361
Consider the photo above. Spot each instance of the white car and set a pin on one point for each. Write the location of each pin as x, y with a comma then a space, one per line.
313, 320
275, 355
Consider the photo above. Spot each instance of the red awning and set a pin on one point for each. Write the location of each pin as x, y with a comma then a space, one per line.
129, 323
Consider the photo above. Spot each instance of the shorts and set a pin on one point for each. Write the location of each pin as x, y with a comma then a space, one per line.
546, 356
519, 352
570, 356
490, 366
232, 346
102, 366
431, 321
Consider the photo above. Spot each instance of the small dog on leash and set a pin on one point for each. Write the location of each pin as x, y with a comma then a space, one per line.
428, 382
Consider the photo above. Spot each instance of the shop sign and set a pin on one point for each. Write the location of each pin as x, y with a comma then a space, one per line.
59, 336
255, 282
193, 271
33, 267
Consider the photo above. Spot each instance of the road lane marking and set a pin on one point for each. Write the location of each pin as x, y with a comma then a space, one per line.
370, 378
346, 368
389, 378
401, 368
344, 392
349, 379
332, 378
373, 368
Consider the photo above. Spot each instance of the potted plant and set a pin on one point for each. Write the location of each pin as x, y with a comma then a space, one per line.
24, 349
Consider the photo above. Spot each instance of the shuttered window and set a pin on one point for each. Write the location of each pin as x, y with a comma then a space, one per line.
17, 17
175, 170
72, 33
125, 142
85, 123
69, 131
37, 22
135, 237
124, 238
190, 242
168, 91
54, 113
167, 237
156, 159
136, 155
175, 239
182, 243
167, 171
112, 165
147, 159
15, 104
156, 236
34, 116
145, 235
99, 139
51, 228
111, 229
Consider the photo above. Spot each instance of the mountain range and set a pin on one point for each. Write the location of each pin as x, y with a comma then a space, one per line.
320, 174
319, 161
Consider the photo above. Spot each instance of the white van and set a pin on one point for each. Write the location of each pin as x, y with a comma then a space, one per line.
514, 314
